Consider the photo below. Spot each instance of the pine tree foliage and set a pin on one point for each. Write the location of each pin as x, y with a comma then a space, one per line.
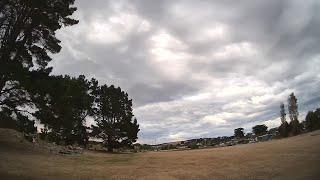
27, 35
115, 122
64, 104
260, 129
238, 133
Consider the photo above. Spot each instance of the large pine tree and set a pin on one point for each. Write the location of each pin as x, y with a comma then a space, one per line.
115, 122
65, 103
27, 35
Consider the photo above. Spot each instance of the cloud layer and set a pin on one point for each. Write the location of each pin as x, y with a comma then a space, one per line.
198, 68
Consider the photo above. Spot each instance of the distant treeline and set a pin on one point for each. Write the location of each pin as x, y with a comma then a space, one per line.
294, 127
259, 132
61, 103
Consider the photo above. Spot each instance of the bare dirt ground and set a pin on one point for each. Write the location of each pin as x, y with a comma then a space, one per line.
292, 158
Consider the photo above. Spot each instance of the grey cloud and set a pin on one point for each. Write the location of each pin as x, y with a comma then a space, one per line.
163, 91
263, 51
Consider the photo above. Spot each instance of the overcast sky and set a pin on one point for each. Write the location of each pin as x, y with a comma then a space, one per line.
198, 68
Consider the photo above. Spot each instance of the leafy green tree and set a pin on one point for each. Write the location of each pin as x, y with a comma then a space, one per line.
115, 122
27, 35
293, 114
313, 120
238, 133
284, 129
260, 129
64, 105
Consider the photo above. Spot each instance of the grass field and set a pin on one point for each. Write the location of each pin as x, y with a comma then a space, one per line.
292, 158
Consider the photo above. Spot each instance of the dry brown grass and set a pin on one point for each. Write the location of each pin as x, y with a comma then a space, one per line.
292, 158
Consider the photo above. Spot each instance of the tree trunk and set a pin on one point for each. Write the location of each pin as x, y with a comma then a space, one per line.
110, 148
110, 145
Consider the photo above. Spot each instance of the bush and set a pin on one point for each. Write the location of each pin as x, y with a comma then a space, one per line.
193, 146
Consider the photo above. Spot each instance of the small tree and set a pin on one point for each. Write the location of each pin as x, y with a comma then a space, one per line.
284, 128
238, 133
260, 129
313, 120
293, 114
115, 121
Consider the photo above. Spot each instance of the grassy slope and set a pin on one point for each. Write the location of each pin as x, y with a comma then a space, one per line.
292, 158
